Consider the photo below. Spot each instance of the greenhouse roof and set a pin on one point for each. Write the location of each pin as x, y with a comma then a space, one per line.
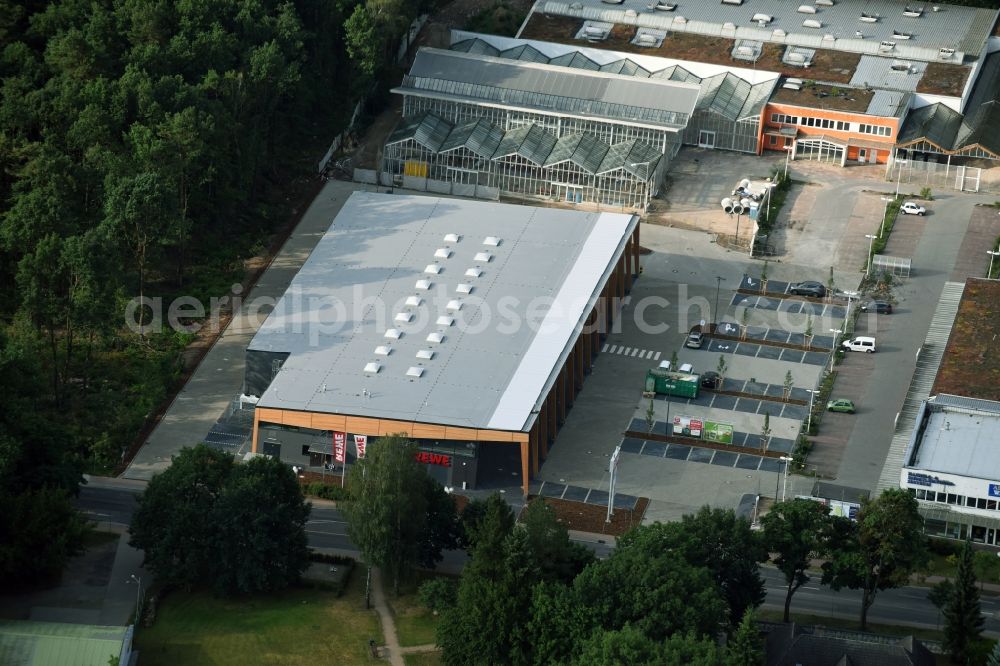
550, 89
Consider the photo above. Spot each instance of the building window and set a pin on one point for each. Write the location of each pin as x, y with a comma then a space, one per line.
772, 140
980, 503
970, 501
991, 505
918, 493
953, 499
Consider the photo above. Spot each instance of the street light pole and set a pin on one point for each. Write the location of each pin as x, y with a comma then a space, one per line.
833, 353
993, 254
809, 418
871, 242
885, 214
715, 313
138, 597
788, 154
784, 485
850, 295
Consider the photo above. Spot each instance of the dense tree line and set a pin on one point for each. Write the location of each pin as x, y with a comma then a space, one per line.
145, 146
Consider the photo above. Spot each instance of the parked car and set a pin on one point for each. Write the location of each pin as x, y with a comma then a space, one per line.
881, 307
686, 368
711, 380
862, 343
665, 365
694, 339
911, 208
841, 405
808, 288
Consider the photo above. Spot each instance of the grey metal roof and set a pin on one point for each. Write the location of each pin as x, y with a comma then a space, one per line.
584, 150
494, 366
550, 88
888, 103
481, 137
525, 52
426, 129
960, 437
887, 73
724, 93
965, 29
936, 123
791, 645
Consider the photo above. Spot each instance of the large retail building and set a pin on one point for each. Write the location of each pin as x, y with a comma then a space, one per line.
466, 326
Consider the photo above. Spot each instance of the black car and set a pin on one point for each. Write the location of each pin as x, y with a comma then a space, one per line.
881, 307
814, 289
710, 380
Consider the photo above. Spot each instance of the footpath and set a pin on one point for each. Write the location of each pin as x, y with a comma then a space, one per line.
391, 649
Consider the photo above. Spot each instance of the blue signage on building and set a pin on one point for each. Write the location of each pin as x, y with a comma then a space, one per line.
921, 479
995, 490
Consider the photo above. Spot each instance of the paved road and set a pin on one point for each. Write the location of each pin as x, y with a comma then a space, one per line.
114, 502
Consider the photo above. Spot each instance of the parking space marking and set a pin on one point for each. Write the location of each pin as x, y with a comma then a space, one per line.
791, 305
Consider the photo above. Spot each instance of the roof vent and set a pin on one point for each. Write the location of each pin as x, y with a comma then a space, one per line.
442, 253
403, 317
451, 238
483, 256
425, 354
433, 269
445, 320
423, 284
373, 367
436, 338
415, 301
473, 272
464, 288
393, 334
414, 371
383, 350
492, 241
454, 305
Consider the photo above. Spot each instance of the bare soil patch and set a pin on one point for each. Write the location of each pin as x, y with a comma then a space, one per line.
591, 518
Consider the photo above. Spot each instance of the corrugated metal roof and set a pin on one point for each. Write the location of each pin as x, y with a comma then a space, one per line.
525, 52
584, 150
625, 67
553, 88
948, 400
481, 137
888, 104
885, 73
981, 124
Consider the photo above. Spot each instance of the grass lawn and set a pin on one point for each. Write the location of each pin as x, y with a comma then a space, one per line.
415, 625
423, 659
299, 626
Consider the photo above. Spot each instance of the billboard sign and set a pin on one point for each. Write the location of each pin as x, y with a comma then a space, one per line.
687, 426
721, 433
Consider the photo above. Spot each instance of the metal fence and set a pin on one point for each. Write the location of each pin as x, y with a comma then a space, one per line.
944, 176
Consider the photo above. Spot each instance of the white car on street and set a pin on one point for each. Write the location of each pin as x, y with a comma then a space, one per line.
910, 208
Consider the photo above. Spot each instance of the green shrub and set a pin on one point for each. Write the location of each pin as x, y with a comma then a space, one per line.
325, 491
925, 193
438, 594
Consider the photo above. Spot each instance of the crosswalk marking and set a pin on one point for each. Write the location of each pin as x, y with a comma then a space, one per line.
632, 352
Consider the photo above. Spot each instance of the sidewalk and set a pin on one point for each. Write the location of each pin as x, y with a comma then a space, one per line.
219, 377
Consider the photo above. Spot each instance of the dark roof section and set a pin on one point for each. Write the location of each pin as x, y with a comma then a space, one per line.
790, 645
481, 137
833, 491
971, 364
935, 123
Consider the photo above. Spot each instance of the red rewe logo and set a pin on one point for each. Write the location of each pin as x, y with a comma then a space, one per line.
427, 458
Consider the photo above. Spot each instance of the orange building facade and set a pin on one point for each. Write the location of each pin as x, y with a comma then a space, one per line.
838, 137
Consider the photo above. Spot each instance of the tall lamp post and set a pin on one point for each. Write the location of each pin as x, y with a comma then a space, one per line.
788, 154
138, 596
809, 419
833, 353
885, 214
993, 254
784, 485
850, 295
871, 242
715, 313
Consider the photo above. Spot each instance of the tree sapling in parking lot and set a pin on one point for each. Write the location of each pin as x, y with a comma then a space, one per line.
830, 285
765, 431
744, 323
649, 416
721, 368
788, 384
763, 277
809, 332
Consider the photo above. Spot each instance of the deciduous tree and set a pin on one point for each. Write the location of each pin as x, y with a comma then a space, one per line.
796, 531
879, 551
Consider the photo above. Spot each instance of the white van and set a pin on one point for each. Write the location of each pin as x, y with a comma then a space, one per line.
861, 343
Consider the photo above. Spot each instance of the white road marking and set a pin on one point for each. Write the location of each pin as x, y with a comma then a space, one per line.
604, 348
635, 351
657, 357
